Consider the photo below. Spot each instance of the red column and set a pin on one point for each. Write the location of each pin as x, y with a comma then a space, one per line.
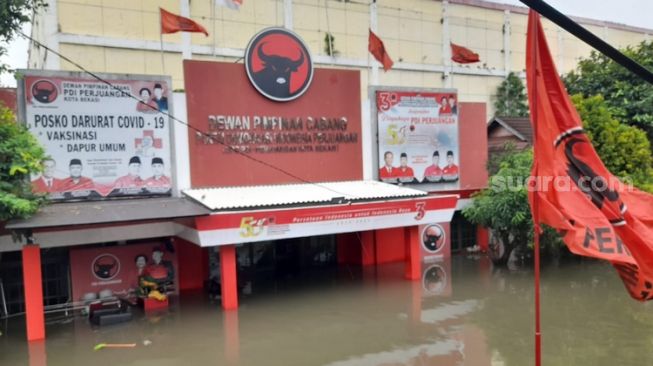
191, 267
33, 287
413, 259
483, 238
368, 248
37, 354
228, 276
231, 338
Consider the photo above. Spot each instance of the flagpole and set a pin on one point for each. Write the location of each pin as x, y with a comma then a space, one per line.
536, 204
163, 63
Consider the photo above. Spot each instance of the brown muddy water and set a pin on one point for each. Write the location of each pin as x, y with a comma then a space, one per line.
476, 316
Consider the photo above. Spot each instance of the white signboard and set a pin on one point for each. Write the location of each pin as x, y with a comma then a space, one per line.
101, 142
418, 138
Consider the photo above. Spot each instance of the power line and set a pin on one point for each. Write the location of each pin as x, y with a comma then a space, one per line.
197, 130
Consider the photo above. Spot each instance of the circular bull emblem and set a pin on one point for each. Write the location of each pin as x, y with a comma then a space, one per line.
278, 64
433, 238
105, 266
44, 91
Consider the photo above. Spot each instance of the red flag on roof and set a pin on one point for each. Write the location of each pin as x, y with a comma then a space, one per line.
597, 214
463, 55
377, 49
172, 23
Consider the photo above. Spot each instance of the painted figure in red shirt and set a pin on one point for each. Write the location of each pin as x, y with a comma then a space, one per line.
450, 172
445, 108
147, 104
157, 180
405, 173
388, 173
433, 172
76, 182
47, 183
133, 178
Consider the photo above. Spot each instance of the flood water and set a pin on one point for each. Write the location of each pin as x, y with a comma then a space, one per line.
467, 313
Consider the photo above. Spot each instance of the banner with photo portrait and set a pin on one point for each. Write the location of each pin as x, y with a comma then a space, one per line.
101, 141
418, 138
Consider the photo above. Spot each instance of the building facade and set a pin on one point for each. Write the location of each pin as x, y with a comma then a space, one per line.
123, 36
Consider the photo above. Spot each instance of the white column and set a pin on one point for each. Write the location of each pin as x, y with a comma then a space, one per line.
287, 14
374, 27
185, 36
51, 33
506, 42
446, 45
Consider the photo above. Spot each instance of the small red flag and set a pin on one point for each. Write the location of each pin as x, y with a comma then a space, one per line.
377, 49
597, 214
172, 23
463, 55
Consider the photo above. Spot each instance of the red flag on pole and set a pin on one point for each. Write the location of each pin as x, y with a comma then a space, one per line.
463, 55
172, 23
377, 49
598, 215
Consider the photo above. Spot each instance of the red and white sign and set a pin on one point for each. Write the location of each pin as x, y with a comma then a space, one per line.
418, 138
253, 140
102, 140
251, 226
115, 270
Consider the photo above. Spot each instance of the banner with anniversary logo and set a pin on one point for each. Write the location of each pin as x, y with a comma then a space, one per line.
418, 138
101, 141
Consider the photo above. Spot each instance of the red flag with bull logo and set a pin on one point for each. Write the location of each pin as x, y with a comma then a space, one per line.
598, 215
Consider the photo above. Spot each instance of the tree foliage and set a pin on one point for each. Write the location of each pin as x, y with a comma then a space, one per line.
20, 156
625, 150
13, 13
511, 98
628, 97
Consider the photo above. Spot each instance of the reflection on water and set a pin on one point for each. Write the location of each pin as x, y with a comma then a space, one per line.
462, 313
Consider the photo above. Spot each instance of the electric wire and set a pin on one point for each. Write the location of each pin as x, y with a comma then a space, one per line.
197, 131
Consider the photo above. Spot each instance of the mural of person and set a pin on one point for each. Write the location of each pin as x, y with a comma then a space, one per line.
450, 172
76, 182
133, 178
157, 277
433, 172
47, 182
147, 104
445, 108
452, 105
404, 172
388, 173
158, 179
160, 100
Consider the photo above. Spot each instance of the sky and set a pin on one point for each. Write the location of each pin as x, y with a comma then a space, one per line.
631, 12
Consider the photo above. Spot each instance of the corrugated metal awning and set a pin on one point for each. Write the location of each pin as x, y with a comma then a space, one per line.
230, 198
102, 212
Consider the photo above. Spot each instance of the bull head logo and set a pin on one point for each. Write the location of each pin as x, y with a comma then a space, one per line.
278, 64
106, 266
593, 185
44, 91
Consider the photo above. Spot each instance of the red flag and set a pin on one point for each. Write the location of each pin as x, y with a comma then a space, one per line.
463, 55
598, 215
172, 23
377, 49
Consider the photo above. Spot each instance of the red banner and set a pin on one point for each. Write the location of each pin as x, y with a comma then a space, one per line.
104, 271
316, 137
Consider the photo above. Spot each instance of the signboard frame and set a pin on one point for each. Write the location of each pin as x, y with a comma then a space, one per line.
108, 77
374, 129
